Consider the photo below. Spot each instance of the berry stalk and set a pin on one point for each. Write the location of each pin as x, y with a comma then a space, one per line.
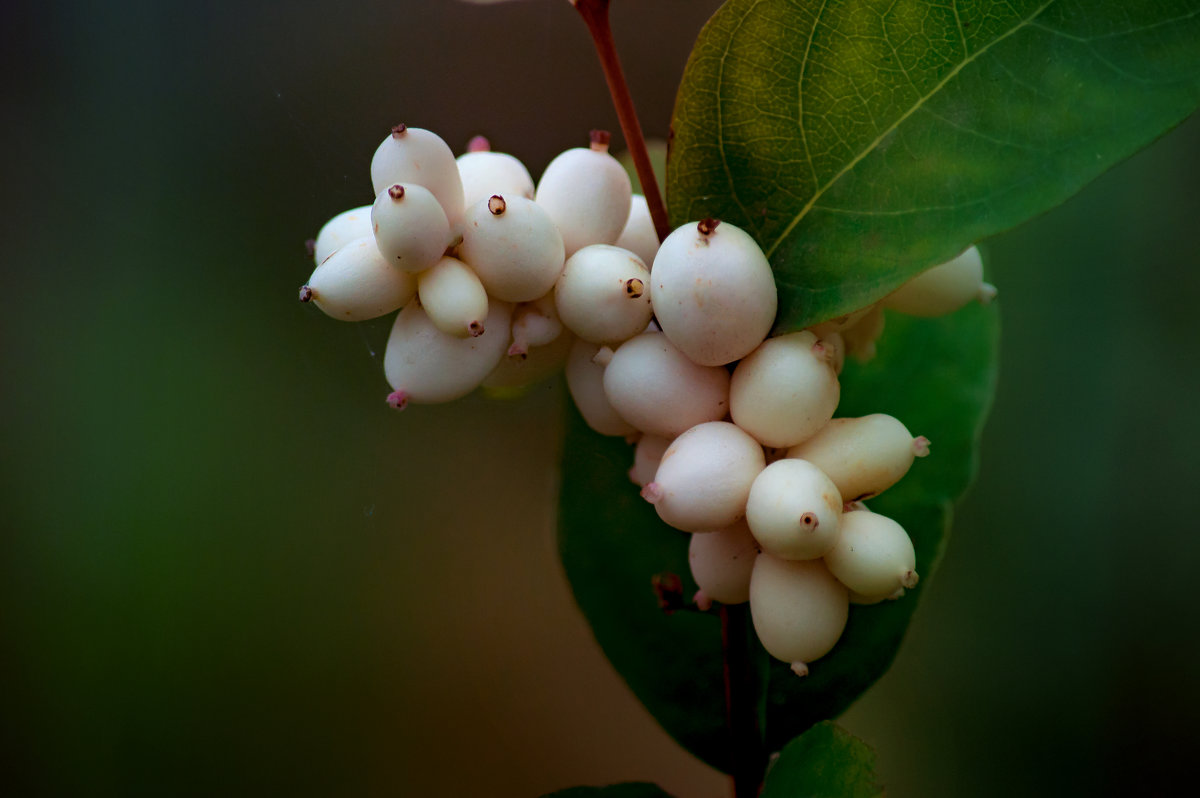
748, 761
595, 15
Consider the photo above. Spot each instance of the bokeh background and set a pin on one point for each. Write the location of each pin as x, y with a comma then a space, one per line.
227, 568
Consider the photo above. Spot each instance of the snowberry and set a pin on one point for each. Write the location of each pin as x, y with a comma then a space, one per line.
794, 510
341, 230
538, 363
587, 193
873, 556
424, 365
721, 563
785, 390
585, 380
513, 246
647, 454
705, 475
863, 456
638, 235
944, 288
798, 608
534, 325
714, 292
357, 283
860, 337
453, 298
410, 227
654, 387
414, 155
603, 294
484, 173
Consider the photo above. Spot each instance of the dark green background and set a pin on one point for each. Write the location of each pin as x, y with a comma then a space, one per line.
228, 567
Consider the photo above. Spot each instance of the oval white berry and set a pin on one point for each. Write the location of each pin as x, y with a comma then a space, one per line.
863, 456
785, 390
415, 155
714, 292
485, 173
453, 298
357, 283
943, 289
538, 363
587, 193
794, 510
638, 235
603, 294
704, 478
424, 365
585, 380
721, 563
873, 556
860, 337
654, 387
341, 230
410, 227
799, 609
513, 246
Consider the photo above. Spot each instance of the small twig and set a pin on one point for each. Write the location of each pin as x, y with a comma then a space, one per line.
595, 15
748, 759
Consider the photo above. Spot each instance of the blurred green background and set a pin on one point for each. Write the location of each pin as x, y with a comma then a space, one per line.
229, 568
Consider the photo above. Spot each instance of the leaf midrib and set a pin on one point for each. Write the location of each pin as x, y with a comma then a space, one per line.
967, 61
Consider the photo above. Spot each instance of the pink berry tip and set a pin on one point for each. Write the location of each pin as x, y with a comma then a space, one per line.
634, 288
707, 226
987, 292
653, 492
396, 192
920, 446
800, 668
399, 130
306, 293
910, 579
397, 400
479, 144
475, 329
702, 601
600, 140
518, 350
497, 205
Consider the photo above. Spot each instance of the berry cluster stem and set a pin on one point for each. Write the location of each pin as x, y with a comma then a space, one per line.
746, 752
595, 15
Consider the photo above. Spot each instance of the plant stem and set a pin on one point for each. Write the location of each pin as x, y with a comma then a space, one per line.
595, 15
747, 756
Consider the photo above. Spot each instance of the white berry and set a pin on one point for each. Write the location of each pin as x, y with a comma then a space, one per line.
587, 193
341, 230
799, 609
453, 298
714, 292
705, 476
657, 389
410, 227
513, 246
794, 510
424, 365
638, 235
603, 294
585, 380
944, 288
485, 173
721, 563
414, 155
873, 556
863, 456
357, 283
785, 390
647, 454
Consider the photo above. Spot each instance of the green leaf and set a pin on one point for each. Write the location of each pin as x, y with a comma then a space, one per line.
824, 762
861, 141
629, 789
935, 375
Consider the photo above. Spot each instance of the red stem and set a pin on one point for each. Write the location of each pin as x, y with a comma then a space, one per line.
747, 755
595, 15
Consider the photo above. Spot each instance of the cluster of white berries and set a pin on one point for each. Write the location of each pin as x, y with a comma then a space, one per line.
499, 284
